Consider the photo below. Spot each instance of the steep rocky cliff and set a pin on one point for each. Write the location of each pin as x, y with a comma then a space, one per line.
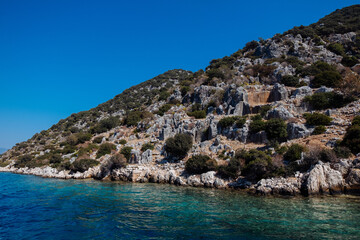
276, 117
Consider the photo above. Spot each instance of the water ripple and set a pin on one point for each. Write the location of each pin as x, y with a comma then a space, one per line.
36, 208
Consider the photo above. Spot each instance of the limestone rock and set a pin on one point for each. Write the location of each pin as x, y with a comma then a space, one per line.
278, 93
323, 179
297, 130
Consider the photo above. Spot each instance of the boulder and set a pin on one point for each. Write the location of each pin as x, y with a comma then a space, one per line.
323, 179
278, 93
302, 92
135, 156
279, 112
259, 137
146, 157
213, 131
297, 130
208, 178
324, 89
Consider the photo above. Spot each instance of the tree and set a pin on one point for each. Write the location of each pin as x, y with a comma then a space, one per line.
198, 164
276, 129
179, 145
294, 152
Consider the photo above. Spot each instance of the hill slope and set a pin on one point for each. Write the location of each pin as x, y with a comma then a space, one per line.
276, 108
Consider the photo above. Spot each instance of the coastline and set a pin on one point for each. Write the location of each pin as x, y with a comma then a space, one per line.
320, 180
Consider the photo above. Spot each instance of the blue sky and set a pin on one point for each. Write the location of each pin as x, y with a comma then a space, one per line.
58, 57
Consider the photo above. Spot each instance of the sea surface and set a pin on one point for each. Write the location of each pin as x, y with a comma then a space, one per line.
37, 208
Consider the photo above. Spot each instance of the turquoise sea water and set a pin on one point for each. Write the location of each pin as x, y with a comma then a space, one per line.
36, 208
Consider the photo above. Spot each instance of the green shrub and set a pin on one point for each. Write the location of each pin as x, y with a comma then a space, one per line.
276, 129
184, 90
104, 149
83, 137
315, 69
98, 140
342, 152
55, 159
336, 48
147, 146
356, 121
134, 117
327, 78
122, 141
83, 165
179, 145
126, 151
199, 164
257, 164
352, 139
163, 109
115, 162
294, 152
215, 73
197, 114
320, 129
163, 96
232, 169
105, 125
257, 124
68, 149
24, 159
290, 81
240, 122
315, 119
264, 109
349, 61
320, 101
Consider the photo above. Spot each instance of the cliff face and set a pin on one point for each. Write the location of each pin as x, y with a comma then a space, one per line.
253, 99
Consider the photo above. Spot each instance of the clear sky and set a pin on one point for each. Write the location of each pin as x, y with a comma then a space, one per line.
58, 57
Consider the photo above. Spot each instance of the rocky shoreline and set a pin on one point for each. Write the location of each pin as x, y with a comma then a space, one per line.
323, 178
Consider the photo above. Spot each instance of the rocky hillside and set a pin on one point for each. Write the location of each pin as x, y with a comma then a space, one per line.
279, 116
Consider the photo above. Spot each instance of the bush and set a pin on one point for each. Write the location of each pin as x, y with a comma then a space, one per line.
349, 61
264, 109
126, 151
257, 164
55, 159
320, 129
98, 140
232, 169
104, 149
122, 141
342, 152
215, 73
105, 125
83, 165
336, 48
352, 139
83, 137
163, 96
229, 121
179, 145
327, 78
240, 122
290, 81
294, 152
115, 162
147, 146
276, 129
315, 119
163, 109
320, 101
199, 164
257, 124
23, 160
356, 121
197, 114
68, 149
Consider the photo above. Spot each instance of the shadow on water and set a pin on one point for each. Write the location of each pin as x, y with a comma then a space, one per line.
33, 207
